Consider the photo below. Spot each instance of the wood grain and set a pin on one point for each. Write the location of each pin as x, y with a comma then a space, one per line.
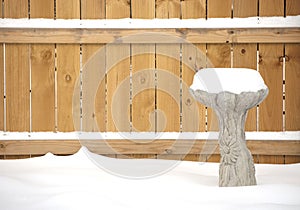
168, 74
143, 73
219, 8
218, 55
292, 87
1, 80
143, 9
42, 74
42, 9
245, 55
168, 9
245, 8
93, 9
193, 59
270, 68
292, 7
1, 90
116, 9
162, 147
93, 36
17, 74
271, 159
271, 8
193, 9
118, 69
290, 159
68, 68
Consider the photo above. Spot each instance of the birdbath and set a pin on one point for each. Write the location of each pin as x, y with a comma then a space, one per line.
231, 92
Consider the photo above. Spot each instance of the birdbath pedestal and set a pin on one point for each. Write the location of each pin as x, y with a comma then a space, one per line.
231, 92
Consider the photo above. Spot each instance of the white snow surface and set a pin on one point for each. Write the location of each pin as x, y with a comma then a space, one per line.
127, 23
234, 80
74, 182
6, 136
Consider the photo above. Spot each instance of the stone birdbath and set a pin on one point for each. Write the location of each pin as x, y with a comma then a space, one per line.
231, 92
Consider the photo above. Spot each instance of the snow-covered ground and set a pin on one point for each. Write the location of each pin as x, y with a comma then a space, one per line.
74, 182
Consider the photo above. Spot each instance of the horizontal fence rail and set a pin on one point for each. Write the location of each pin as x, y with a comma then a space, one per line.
252, 30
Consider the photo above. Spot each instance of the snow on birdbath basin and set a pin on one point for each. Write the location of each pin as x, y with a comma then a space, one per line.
231, 92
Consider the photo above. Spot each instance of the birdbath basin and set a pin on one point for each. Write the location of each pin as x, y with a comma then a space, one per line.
231, 92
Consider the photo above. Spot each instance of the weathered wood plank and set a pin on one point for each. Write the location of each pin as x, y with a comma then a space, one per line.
292, 7
143, 73
92, 36
292, 87
168, 9
193, 59
116, 9
193, 9
93, 9
17, 74
42, 74
219, 8
270, 68
271, 8
168, 74
160, 147
68, 68
245, 8
218, 55
118, 73
245, 55
1, 79
289, 159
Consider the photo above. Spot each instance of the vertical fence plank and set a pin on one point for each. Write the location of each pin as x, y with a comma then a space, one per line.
219, 55
93, 9
17, 74
292, 74
116, 9
270, 67
68, 68
245, 8
168, 9
42, 73
168, 74
143, 65
1, 79
193, 57
219, 8
245, 55
193, 9
270, 110
117, 58
271, 8
292, 7
292, 87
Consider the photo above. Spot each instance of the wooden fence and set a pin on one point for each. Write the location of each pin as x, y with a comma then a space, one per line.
38, 80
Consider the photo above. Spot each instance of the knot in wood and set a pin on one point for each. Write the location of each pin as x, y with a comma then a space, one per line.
143, 80
68, 77
243, 51
168, 151
188, 102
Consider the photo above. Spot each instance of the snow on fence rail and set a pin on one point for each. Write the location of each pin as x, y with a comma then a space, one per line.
217, 30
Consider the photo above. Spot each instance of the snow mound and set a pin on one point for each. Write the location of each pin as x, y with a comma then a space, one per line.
234, 80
